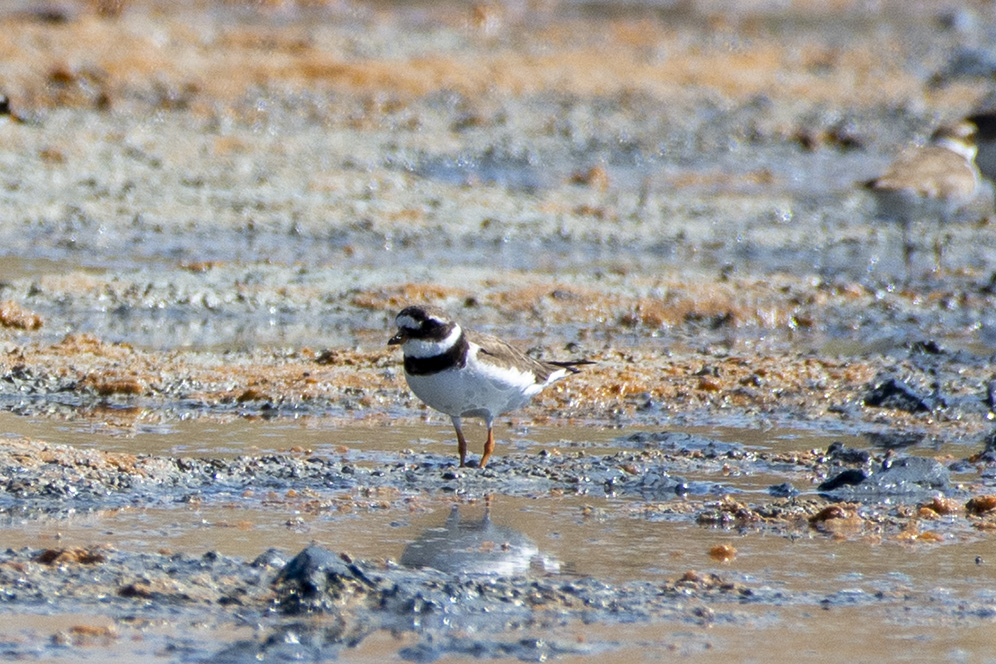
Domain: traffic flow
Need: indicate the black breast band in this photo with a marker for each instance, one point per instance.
(454, 358)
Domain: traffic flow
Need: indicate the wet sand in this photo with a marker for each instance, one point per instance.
(212, 212)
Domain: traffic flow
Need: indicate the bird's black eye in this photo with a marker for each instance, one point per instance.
(428, 328)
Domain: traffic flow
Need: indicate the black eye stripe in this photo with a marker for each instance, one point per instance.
(429, 329)
(425, 325)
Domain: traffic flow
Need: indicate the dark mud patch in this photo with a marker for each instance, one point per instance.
(321, 604)
(353, 599)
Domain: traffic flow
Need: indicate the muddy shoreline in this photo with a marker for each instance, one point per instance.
(331, 602)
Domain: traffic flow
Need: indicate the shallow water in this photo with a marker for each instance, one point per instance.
(916, 618)
(607, 538)
(846, 632)
(592, 534)
(910, 592)
(211, 436)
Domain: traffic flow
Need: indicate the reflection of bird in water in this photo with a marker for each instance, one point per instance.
(933, 182)
(476, 547)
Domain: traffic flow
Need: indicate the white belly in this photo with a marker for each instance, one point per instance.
(475, 390)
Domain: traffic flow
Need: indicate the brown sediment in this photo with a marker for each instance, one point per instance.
(131, 51)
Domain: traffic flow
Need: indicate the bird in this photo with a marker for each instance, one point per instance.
(463, 373)
(7, 114)
(935, 181)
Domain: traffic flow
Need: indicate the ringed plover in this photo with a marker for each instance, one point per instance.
(935, 181)
(467, 374)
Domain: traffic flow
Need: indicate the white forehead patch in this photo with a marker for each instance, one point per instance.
(409, 323)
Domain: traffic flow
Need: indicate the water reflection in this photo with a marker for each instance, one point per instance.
(477, 546)
(298, 641)
(895, 440)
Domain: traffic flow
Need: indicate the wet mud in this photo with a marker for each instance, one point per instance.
(212, 211)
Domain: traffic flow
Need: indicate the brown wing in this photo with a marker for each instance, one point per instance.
(930, 171)
(505, 355)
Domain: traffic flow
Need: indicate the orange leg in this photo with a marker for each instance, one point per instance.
(489, 447)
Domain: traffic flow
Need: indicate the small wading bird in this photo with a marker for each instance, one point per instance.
(6, 113)
(466, 374)
(933, 182)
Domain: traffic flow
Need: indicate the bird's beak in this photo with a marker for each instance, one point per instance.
(398, 338)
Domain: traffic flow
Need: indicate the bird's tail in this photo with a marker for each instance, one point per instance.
(571, 365)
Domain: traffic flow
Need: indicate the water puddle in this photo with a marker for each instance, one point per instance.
(205, 436)
(816, 581)
(593, 535)
(577, 535)
(29, 267)
(758, 635)
(805, 636)
(231, 437)
(373, 443)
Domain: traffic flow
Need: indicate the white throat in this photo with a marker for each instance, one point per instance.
(420, 348)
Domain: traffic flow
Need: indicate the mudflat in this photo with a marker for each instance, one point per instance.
(212, 211)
